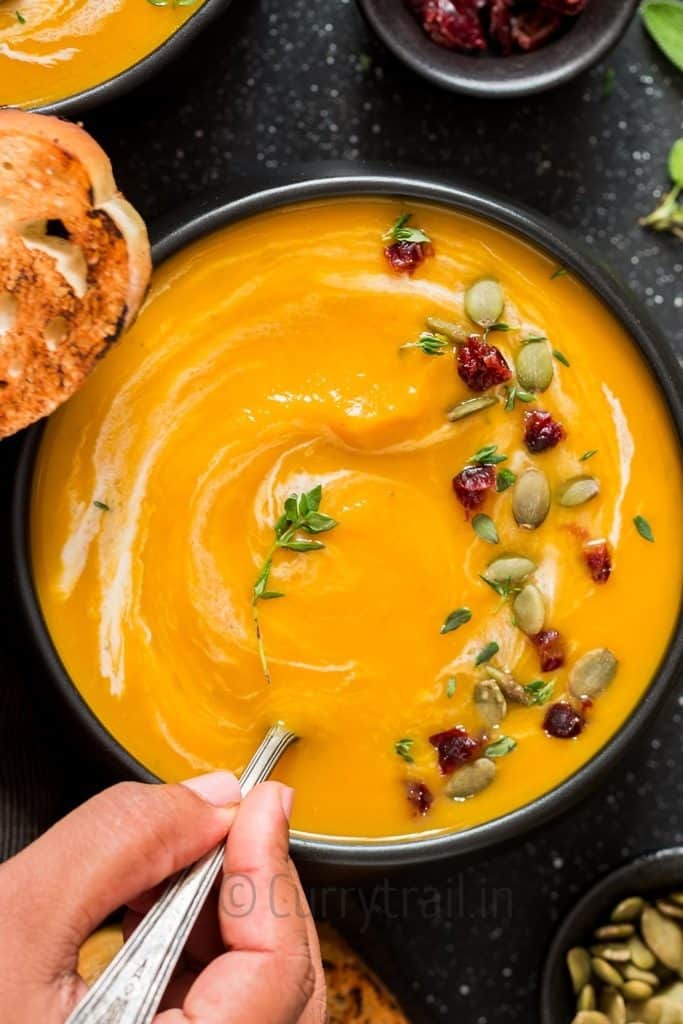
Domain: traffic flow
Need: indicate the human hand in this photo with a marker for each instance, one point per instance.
(253, 957)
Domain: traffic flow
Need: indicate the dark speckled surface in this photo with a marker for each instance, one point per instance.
(278, 83)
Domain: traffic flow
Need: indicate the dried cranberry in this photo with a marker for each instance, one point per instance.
(420, 797)
(599, 560)
(501, 25)
(534, 28)
(472, 485)
(550, 648)
(541, 431)
(455, 747)
(481, 365)
(562, 721)
(454, 24)
(406, 257)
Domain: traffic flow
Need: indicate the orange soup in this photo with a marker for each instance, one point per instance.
(416, 495)
(51, 49)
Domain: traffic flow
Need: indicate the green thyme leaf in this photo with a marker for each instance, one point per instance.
(487, 456)
(485, 528)
(20, 18)
(302, 545)
(561, 357)
(588, 455)
(514, 392)
(533, 338)
(318, 522)
(506, 478)
(455, 620)
(644, 529)
(505, 745)
(664, 21)
(498, 327)
(451, 686)
(560, 272)
(486, 653)
(400, 231)
(503, 588)
(403, 748)
(102, 506)
(430, 344)
(539, 691)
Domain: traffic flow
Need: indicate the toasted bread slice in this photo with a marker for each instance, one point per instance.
(74, 263)
(355, 995)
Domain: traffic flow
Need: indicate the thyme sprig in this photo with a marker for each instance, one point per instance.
(668, 215)
(400, 231)
(430, 342)
(301, 514)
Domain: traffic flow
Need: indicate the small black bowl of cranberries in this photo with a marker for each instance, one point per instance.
(499, 47)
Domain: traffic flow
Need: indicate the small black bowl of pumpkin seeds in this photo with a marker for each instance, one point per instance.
(618, 956)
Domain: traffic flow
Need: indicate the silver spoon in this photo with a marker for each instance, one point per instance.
(130, 989)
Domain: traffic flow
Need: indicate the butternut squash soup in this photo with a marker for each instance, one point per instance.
(383, 472)
(52, 49)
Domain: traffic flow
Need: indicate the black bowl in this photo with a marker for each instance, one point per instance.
(595, 32)
(140, 71)
(653, 874)
(217, 210)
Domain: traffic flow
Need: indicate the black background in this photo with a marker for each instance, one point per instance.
(275, 83)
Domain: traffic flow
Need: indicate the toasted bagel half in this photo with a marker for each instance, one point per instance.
(74, 263)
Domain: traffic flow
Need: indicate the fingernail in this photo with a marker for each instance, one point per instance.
(287, 800)
(217, 788)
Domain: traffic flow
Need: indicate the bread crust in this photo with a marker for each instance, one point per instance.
(74, 263)
(355, 995)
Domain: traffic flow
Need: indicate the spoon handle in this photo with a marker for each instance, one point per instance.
(130, 989)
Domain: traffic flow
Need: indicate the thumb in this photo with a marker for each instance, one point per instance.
(124, 841)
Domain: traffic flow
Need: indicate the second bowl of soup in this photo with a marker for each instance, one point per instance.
(378, 462)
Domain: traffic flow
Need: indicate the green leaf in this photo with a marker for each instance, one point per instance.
(281, 525)
(676, 163)
(487, 456)
(664, 21)
(560, 272)
(533, 338)
(503, 589)
(485, 528)
(588, 455)
(644, 529)
(318, 522)
(292, 508)
(102, 506)
(403, 748)
(302, 545)
(498, 327)
(400, 231)
(20, 18)
(314, 497)
(431, 344)
(539, 691)
(505, 745)
(262, 581)
(451, 686)
(486, 653)
(270, 595)
(561, 357)
(455, 620)
(506, 478)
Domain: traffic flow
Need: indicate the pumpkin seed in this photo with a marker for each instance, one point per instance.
(490, 702)
(664, 938)
(592, 674)
(470, 405)
(586, 1000)
(615, 953)
(471, 779)
(606, 972)
(484, 301)
(632, 973)
(512, 690)
(637, 991)
(590, 1017)
(529, 610)
(629, 909)
(670, 909)
(578, 491)
(531, 499)
(510, 568)
(640, 954)
(614, 931)
(454, 332)
(534, 366)
(579, 966)
(662, 1011)
(673, 993)
(613, 1005)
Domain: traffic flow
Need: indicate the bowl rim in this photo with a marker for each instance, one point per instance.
(184, 226)
(138, 72)
(476, 79)
(659, 864)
